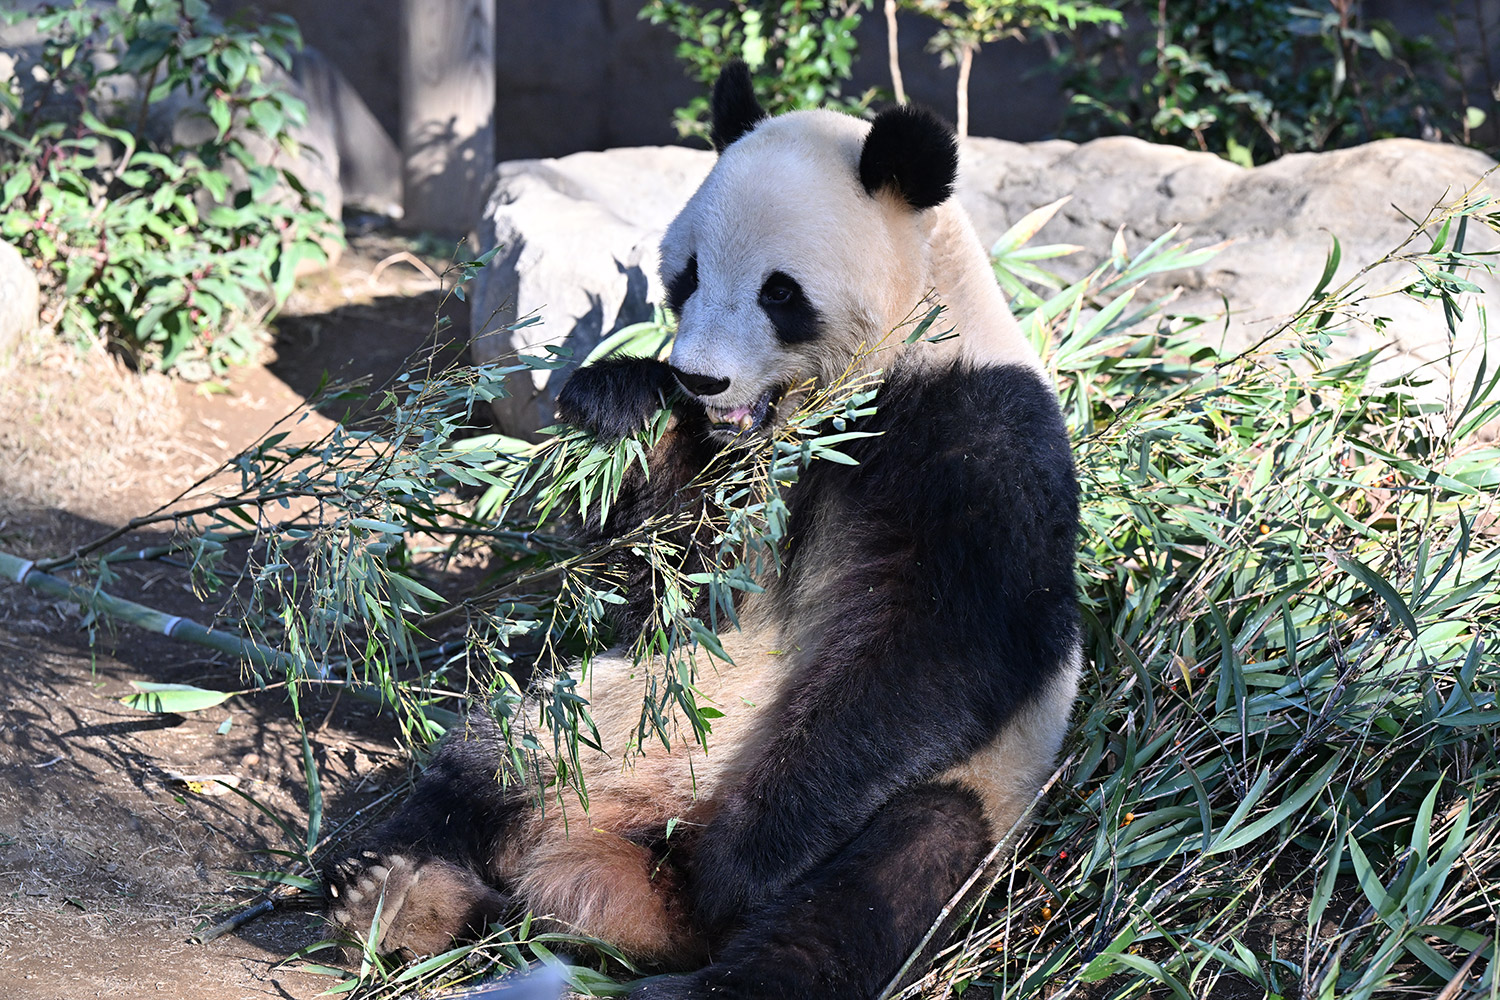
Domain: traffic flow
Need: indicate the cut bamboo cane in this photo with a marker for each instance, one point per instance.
(24, 571)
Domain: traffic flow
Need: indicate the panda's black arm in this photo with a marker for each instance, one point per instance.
(613, 398)
(951, 606)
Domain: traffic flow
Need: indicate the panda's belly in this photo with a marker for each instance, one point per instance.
(639, 784)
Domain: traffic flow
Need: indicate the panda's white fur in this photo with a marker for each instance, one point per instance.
(836, 805)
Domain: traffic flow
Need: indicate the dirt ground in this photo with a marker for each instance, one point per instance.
(108, 868)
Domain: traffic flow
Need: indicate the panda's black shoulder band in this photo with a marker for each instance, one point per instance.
(735, 109)
(913, 151)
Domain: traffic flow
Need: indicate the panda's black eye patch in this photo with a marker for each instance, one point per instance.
(681, 288)
(791, 313)
(779, 290)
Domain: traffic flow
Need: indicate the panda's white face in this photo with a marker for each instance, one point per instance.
(782, 268)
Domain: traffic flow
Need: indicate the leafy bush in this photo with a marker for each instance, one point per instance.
(799, 53)
(1255, 79)
(966, 25)
(168, 251)
(1284, 773)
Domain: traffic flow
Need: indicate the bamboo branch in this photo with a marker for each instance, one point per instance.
(893, 52)
(208, 508)
(235, 922)
(25, 572)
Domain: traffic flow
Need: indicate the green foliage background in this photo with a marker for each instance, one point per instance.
(1255, 79)
(172, 253)
(1251, 80)
(800, 52)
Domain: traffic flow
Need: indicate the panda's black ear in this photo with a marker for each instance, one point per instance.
(735, 109)
(913, 151)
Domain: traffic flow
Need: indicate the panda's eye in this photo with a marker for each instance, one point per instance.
(795, 318)
(779, 291)
(681, 288)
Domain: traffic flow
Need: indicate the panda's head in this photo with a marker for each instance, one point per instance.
(805, 247)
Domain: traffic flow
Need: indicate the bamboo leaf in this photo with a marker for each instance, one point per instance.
(1289, 806)
(172, 698)
(1027, 226)
(1383, 588)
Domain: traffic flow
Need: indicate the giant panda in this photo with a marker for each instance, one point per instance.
(895, 696)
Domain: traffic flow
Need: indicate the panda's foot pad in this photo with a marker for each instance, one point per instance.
(423, 904)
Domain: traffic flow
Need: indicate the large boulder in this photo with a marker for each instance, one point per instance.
(368, 162)
(578, 237)
(20, 299)
(1277, 222)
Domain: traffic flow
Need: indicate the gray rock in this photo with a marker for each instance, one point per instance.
(369, 164)
(579, 237)
(579, 251)
(1277, 220)
(20, 299)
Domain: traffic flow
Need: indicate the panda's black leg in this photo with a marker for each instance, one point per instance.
(844, 930)
(429, 869)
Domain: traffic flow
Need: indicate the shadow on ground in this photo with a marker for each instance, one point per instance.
(107, 864)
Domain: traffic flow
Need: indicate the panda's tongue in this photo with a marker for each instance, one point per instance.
(743, 418)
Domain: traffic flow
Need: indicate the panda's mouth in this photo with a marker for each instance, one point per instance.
(739, 421)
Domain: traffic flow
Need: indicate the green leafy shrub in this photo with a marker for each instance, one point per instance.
(171, 252)
(966, 25)
(1284, 777)
(799, 52)
(1255, 79)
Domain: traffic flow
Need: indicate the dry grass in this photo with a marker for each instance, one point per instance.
(77, 429)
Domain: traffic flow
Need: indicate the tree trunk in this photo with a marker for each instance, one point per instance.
(447, 112)
(893, 53)
(965, 63)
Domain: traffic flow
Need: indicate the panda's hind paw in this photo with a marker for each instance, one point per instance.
(689, 987)
(408, 904)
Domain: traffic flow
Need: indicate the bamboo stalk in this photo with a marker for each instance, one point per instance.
(893, 55)
(25, 572)
(235, 922)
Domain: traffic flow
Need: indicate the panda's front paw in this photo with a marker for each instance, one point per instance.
(616, 396)
(401, 903)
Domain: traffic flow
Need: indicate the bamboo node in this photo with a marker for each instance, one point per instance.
(170, 624)
(24, 570)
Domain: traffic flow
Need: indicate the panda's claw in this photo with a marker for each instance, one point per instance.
(422, 905)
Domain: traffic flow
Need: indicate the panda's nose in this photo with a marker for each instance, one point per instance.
(700, 385)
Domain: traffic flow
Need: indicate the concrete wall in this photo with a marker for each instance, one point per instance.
(587, 74)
